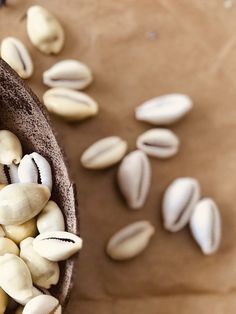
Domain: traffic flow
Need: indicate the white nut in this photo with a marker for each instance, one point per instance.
(160, 143)
(14, 52)
(130, 240)
(205, 225)
(20, 202)
(134, 178)
(104, 153)
(69, 104)
(44, 272)
(50, 218)
(15, 277)
(34, 168)
(10, 148)
(8, 246)
(164, 109)
(57, 245)
(178, 203)
(18, 233)
(68, 73)
(44, 30)
(43, 304)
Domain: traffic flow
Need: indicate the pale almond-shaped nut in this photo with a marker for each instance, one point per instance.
(134, 178)
(34, 168)
(178, 203)
(44, 272)
(130, 241)
(160, 143)
(15, 277)
(35, 293)
(3, 301)
(165, 109)
(57, 245)
(68, 73)
(18, 233)
(2, 186)
(20, 202)
(50, 218)
(69, 104)
(8, 246)
(205, 225)
(104, 153)
(43, 304)
(10, 148)
(44, 30)
(14, 52)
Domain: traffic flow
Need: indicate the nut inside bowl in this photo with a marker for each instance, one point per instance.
(23, 114)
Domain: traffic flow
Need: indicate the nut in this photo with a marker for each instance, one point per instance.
(130, 240)
(179, 200)
(8, 246)
(69, 74)
(14, 52)
(18, 233)
(164, 109)
(134, 178)
(43, 304)
(69, 104)
(104, 153)
(44, 30)
(10, 148)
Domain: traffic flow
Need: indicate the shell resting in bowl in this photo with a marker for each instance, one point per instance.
(22, 113)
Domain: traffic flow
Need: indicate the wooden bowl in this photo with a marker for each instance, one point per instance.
(22, 113)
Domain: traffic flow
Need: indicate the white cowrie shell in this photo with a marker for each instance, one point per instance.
(43, 304)
(8, 246)
(165, 109)
(44, 272)
(18, 233)
(10, 148)
(3, 301)
(57, 245)
(44, 30)
(68, 73)
(134, 178)
(179, 200)
(19, 202)
(130, 240)
(205, 225)
(34, 167)
(104, 153)
(69, 104)
(50, 218)
(15, 277)
(160, 143)
(8, 174)
(14, 52)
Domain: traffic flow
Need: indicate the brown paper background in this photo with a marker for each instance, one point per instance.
(137, 50)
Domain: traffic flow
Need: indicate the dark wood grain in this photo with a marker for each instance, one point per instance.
(23, 114)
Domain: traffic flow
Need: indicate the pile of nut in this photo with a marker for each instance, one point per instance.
(32, 231)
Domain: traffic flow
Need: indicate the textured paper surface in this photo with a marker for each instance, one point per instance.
(137, 50)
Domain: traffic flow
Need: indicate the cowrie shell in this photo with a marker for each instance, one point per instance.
(18, 233)
(19, 202)
(43, 304)
(44, 30)
(34, 168)
(178, 203)
(104, 153)
(9, 174)
(68, 73)
(50, 218)
(130, 240)
(165, 109)
(10, 148)
(57, 245)
(44, 272)
(205, 225)
(160, 143)
(15, 277)
(134, 178)
(14, 52)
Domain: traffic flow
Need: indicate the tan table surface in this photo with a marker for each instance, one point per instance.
(137, 50)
